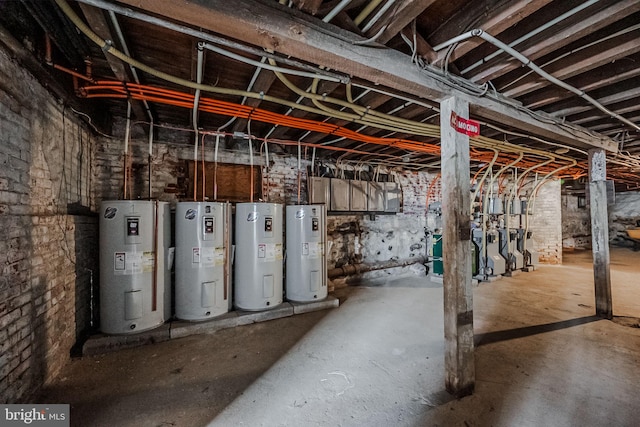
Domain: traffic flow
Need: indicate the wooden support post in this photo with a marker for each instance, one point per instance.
(458, 296)
(600, 232)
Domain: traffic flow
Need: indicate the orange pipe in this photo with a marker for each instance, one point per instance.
(214, 106)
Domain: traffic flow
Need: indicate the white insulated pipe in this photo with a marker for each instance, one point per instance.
(527, 62)
(336, 10)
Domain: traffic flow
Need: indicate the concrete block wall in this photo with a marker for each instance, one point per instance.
(48, 250)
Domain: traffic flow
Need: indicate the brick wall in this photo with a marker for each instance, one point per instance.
(48, 247)
(546, 223)
(351, 238)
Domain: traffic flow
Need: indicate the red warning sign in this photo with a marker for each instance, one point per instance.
(465, 126)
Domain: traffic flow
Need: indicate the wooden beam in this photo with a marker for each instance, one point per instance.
(52, 83)
(423, 48)
(397, 18)
(496, 21)
(309, 6)
(607, 53)
(623, 95)
(291, 32)
(599, 78)
(262, 84)
(324, 87)
(98, 23)
(582, 25)
(456, 252)
(600, 232)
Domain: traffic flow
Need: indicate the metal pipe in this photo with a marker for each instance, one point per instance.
(251, 163)
(125, 49)
(127, 131)
(366, 11)
(336, 10)
(533, 33)
(215, 169)
(259, 64)
(527, 62)
(102, 4)
(353, 269)
(73, 73)
(154, 283)
(378, 15)
(150, 154)
(256, 73)
(194, 119)
(299, 161)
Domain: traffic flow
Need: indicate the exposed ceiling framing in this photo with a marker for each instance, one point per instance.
(591, 45)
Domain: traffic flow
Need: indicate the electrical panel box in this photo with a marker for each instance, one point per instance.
(376, 197)
(340, 195)
(359, 195)
(391, 197)
(319, 190)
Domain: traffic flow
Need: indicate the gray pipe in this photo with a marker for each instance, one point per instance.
(526, 61)
(353, 269)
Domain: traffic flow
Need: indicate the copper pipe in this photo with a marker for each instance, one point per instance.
(47, 42)
(73, 73)
(154, 282)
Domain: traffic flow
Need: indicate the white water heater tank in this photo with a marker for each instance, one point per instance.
(258, 256)
(202, 260)
(135, 270)
(306, 278)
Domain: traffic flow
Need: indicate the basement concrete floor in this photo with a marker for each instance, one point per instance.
(377, 360)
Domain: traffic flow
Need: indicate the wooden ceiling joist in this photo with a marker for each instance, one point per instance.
(293, 33)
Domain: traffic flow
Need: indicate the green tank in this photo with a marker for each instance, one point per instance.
(438, 265)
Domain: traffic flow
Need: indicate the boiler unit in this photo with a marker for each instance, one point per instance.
(306, 278)
(496, 264)
(203, 245)
(135, 276)
(531, 256)
(258, 259)
(516, 255)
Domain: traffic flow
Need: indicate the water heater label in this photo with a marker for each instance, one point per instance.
(196, 256)
(262, 251)
(219, 256)
(119, 261)
(147, 262)
(128, 263)
(314, 250)
(311, 249)
(268, 252)
(207, 257)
